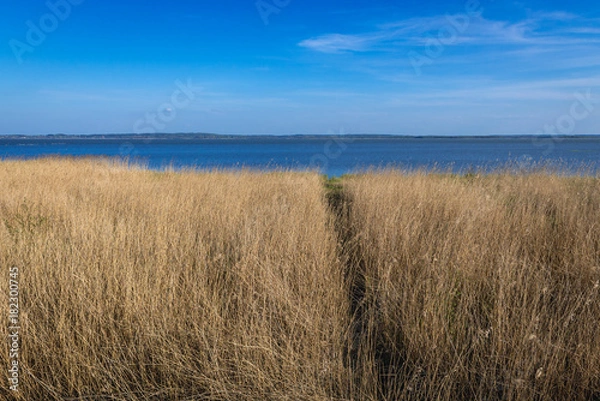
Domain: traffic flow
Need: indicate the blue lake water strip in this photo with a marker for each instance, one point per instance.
(333, 156)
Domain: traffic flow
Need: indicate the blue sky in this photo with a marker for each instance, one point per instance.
(300, 66)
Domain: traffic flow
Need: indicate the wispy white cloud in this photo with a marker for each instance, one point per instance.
(584, 30)
(85, 96)
(338, 43)
(481, 90)
(461, 29)
(555, 15)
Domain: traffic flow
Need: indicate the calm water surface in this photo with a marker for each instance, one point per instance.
(332, 156)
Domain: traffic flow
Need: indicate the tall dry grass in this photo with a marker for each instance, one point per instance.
(142, 285)
(139, 285)
(476, 287)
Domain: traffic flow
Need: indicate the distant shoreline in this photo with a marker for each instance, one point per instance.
(208, 136)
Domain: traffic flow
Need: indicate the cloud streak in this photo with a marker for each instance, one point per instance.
(338, 43)
(541, 29)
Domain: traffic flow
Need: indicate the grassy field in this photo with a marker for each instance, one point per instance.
(478, 287)
(145, 285)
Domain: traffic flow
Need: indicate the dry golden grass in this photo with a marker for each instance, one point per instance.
(142, 285)
(477, 287)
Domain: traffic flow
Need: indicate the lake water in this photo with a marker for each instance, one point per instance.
(331, 155)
